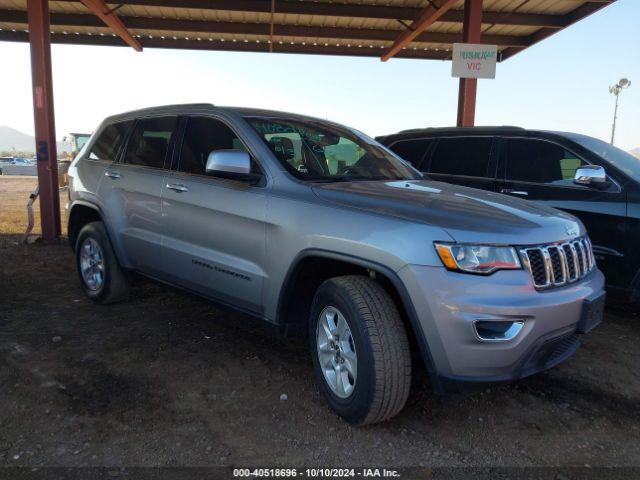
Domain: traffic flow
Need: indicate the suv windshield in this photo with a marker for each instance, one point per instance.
(620, 159)
(317, 151)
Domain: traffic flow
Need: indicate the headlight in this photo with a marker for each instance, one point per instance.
(483, 259)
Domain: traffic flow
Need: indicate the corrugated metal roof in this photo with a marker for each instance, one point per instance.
(347, 27)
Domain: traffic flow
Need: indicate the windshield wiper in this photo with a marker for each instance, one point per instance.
(320, 179)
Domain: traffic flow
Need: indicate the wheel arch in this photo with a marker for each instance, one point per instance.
(81, 213)
(294, 301)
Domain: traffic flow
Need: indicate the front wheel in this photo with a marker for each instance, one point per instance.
(360, 349)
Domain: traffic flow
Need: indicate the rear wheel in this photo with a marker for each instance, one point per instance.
(100, 274)
(360, 349)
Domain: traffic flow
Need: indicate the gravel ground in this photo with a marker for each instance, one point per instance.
(167, 380)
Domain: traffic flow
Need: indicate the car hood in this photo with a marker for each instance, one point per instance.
(467, 214)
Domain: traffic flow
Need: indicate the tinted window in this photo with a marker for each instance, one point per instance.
(149, 142)
(412, 150)
(462, 156)
(539, 161)
(202, 136)
(108, 142)
(619, 158)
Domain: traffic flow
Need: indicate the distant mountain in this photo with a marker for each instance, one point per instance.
(11, 139)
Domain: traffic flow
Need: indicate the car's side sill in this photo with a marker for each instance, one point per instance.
(216, 302)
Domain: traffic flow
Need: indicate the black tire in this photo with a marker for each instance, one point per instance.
(383, 355)
(115, 285)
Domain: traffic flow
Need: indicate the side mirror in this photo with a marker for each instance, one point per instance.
(591, 175)
(234, 162)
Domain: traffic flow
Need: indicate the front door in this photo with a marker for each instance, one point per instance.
(543, 171)
(214, 228)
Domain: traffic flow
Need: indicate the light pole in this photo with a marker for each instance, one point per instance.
(616, 89)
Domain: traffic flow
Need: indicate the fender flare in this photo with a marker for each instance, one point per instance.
(81, 203)
(397, 283)
(107, 226)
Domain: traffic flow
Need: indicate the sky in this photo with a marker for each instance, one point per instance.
(559, 84)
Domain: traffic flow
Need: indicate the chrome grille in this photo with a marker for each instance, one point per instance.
(558, 264)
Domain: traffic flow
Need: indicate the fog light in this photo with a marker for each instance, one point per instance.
(497, 331)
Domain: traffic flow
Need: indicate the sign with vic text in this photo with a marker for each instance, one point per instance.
(474, 61)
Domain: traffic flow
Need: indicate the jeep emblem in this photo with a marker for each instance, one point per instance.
(571, 230)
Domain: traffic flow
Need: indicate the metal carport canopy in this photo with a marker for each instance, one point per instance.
(348, 27)
(415, 29)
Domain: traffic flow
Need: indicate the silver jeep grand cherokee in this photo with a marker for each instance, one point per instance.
(317, 228)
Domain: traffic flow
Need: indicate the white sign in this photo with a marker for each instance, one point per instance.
(474, 61)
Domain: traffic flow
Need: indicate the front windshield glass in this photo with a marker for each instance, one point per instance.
(318, 151)
(623, 161)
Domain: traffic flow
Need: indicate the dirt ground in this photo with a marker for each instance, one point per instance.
(166, 380)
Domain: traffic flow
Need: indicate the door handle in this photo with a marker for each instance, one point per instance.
(177, 187)
(111, 174)
(514, 192)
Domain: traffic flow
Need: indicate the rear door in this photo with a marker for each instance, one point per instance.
(132, 188)
(468, 161)
(543, 170)
(214, 228)
(103, 154)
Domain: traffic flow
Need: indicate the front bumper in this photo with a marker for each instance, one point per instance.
(448, 304)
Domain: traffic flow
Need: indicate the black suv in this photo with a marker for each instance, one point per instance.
(585, 176)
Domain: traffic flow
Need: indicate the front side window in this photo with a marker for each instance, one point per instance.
(617, 157)
(412, 150)
(148, 145)
(464, 156)
(109, 141)
(538, 161)
(202, 136)
(317, 151)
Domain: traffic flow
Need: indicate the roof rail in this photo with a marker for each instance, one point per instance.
(479, 127)
(170, 106)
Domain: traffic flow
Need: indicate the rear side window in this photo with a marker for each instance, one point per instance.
(412, 150)
(462, 156)
(109, 141)
(202, 136)
(149, 143)
(538, 161)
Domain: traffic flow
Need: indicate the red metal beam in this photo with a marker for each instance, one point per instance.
(108, 16)
(40, 45)
(471, 33)
(427, 17)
